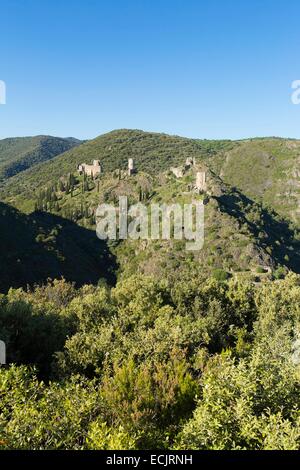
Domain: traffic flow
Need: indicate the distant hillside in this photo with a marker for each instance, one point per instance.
(252, 224)
(152, 153)
(266, 170)
(20, 153)
(241, 237)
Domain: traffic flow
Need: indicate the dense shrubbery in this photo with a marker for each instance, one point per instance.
(203, 365)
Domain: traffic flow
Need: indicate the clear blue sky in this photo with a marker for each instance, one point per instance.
(199, 68)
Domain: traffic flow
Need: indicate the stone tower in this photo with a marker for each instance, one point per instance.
(201, 181)
(90, 170)
(131, 169)
(190, 161)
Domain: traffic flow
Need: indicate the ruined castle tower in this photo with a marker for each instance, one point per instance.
(91, 170)
(190, 161)
(201, 181)
(131, 169)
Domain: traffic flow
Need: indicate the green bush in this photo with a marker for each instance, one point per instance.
(196, 364)
(220, 275)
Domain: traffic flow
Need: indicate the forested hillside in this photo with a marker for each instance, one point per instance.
(20, 153)
(248, 233)
(152, 153)
(141, 344)
(267, 170)
(40, 246)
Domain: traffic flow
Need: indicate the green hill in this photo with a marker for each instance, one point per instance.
(20, 153)
(242, 238)
(266, 170)
(156, 347)
(152, 153)
(251, 227)
(40, 246)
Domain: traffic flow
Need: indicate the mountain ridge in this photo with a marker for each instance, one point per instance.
(20, 153)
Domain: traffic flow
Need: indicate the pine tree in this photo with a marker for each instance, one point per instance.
(140, 194)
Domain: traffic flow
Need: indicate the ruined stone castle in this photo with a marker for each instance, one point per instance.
(179, 171)
(90, 170)
(200, 185)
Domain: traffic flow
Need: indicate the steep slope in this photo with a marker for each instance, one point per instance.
(241, 236)
(21, 153)
(266, 170)
(41, 246)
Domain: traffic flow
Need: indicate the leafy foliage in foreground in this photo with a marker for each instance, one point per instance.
(203, 365)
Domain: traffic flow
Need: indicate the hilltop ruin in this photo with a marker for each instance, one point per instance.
(90, 170)
(131, 167)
